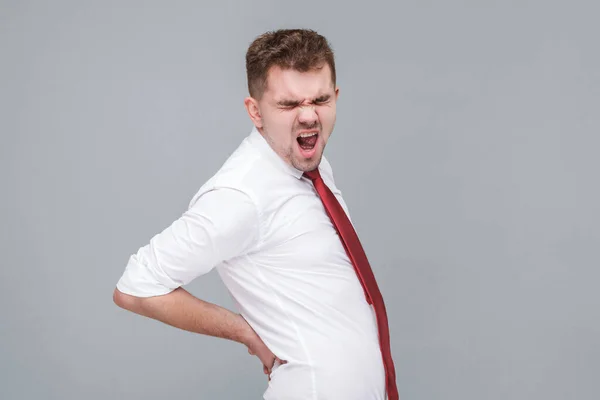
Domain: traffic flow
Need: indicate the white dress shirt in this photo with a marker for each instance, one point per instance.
(262, 225)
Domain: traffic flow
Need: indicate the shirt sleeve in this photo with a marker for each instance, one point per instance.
(220, 225)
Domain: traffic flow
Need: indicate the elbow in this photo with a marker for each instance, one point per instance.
(146, 306)
(123, 300)
(138, 305)
(118, 298)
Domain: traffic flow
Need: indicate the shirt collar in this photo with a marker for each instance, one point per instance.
(257, 140)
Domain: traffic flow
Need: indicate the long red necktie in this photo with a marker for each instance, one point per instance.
(357, 256)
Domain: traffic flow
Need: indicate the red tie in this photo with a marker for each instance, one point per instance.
(357, 256)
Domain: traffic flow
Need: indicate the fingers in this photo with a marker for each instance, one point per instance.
(280, 360)
(276, 361)
(267, 370)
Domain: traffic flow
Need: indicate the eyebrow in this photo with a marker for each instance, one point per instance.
(295, 103)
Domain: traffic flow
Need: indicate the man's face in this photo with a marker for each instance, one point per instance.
(296, 114)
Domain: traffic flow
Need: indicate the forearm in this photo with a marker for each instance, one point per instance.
(184, 311)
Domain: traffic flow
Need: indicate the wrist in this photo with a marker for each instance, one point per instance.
(246, 335)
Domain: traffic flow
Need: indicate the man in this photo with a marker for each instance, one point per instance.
(265, 222)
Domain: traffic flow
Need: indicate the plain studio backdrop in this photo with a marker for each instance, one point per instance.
(466, 148)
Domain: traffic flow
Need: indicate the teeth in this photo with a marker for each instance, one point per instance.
(308, 134)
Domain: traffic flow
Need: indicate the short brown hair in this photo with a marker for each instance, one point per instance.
(298, 49)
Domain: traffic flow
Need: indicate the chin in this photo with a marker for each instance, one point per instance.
(308, 164)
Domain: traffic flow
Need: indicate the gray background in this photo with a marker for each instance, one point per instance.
(466, 148)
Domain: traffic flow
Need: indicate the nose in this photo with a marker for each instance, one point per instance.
(307, 115)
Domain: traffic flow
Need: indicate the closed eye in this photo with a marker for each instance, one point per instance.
(322, 99)
(287, 104)
(291, 104)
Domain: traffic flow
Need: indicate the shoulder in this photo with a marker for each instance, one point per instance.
(243, 172)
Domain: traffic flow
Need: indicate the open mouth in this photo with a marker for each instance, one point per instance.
(307, 141)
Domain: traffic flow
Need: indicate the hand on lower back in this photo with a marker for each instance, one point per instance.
(257, 347)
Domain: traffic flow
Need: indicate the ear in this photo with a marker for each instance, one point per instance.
(337, 92)
(251, 105)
